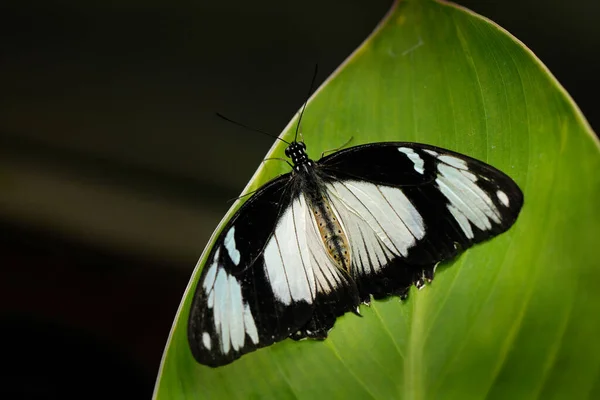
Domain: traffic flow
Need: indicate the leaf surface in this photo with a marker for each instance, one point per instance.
(515, 317)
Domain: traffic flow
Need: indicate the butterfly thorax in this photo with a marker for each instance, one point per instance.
(325, 219)
(297, 152)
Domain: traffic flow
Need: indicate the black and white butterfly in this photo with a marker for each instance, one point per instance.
(364, 222)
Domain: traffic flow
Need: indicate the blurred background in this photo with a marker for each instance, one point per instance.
(114, 170)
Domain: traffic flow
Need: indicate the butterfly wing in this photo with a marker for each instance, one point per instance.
(403, 206)
(264, 278)
(407, 206)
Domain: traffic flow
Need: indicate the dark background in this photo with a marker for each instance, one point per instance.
(114, 170)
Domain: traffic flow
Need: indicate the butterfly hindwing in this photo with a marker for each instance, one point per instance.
(408, 206)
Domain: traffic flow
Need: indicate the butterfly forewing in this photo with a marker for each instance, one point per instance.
(280, 266)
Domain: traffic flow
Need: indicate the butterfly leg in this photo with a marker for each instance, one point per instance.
(327, 309)
(404, 294)
(423, 276)
(428, 273)
(316, 328)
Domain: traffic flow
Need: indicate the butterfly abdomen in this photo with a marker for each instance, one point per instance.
(332, 233)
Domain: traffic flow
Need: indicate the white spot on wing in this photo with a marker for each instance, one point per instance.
(503, 198)
(229, 243)
(414, 157)
(206, 340)
(431, 152)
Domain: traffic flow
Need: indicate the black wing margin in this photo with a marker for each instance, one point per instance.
(408, 206)
(234, 310)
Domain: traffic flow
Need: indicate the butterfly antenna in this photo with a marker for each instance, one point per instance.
(312, 84)
(250, 128)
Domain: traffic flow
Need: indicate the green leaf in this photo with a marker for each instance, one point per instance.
(517, 316)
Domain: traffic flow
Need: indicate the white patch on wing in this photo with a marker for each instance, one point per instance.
(469, 204)
(405, 211)
(414, 157)
(236, 315)
(385, 210)
(453, 162)
(503, 198)
(229, 243)
(221, 310)
(431, 152)
(462, 221)
(209, 278)
(232, 317)
(250, 325)
(287, 257)
(380, 222)
(206, 340)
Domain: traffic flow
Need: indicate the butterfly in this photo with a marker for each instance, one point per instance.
(365, 222)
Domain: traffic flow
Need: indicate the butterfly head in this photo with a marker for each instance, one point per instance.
(297, 152)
